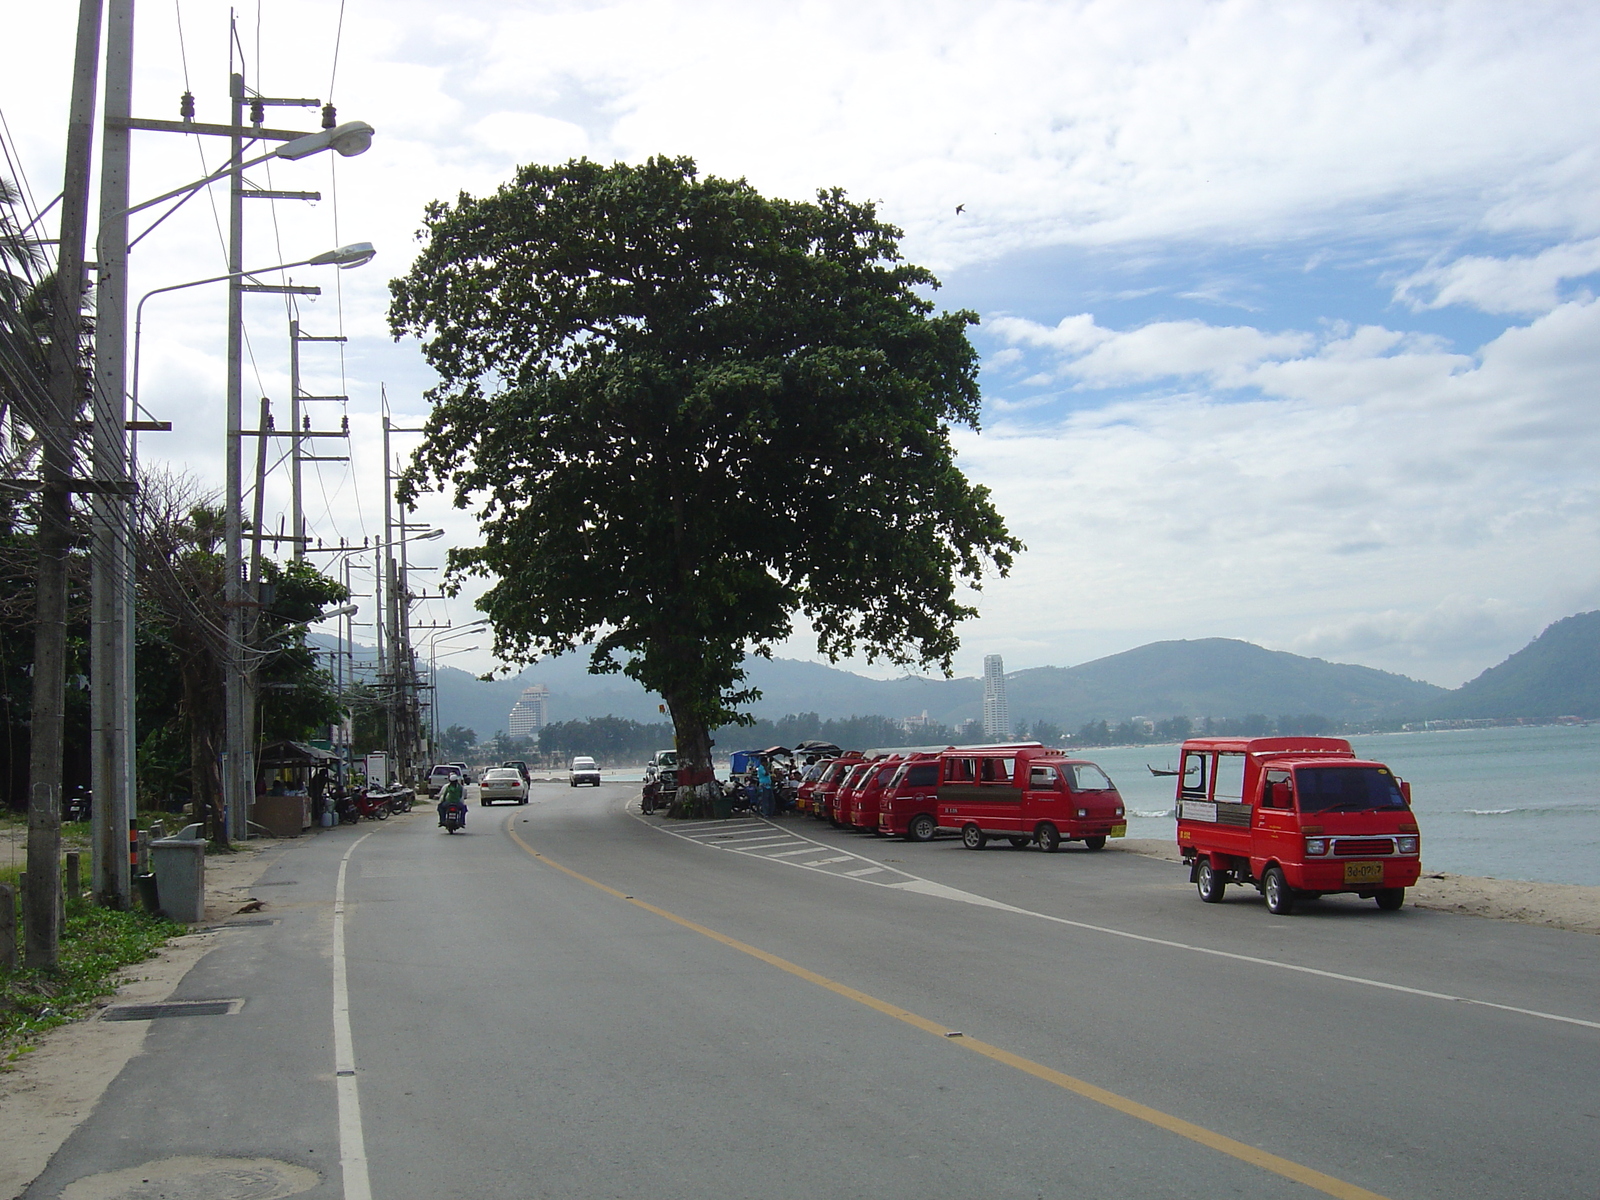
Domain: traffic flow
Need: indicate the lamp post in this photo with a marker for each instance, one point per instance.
(111, 699)
(433, 672)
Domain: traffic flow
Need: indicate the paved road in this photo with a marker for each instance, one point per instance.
(573, 1000)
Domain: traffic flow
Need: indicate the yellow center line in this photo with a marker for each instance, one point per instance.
(1286, 1168)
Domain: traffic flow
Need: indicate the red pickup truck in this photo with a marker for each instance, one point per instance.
(858, 807)
(908, 806)
(1295, 817)
(1027, 794)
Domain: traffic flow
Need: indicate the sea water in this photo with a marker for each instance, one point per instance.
(1519, 802)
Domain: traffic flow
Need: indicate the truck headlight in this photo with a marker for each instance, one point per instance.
(1119, 810)
(1406, 844)
(1316, 846)
(1083, 812)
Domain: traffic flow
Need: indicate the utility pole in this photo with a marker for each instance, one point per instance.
(42, 933)
(299, 422)
(111, 706)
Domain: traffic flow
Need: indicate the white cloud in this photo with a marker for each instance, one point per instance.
(1523, 284)
(1413, 510)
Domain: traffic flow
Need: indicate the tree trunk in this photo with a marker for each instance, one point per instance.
(694, 758)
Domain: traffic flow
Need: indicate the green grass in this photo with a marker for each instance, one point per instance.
(96, 945)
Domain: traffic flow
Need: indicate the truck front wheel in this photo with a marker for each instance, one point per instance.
(1049, 839)
(1210, 884)
(1390, 899)
(973, 838)
(920, 828)
(1097, 842)
(1280, 896)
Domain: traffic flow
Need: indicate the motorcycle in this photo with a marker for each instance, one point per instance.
(400, 802)
(372, 805)
(454, 817)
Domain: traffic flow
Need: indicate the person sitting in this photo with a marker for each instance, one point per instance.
(452, 797)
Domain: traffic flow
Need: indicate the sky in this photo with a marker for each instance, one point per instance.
(1288, 330)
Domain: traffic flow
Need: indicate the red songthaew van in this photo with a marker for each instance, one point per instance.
(1027, 794)
(908, 806)
(822, 795)
(859, 809)
(1293, 817)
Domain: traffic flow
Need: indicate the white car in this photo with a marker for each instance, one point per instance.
(584, 770)
(502, 783)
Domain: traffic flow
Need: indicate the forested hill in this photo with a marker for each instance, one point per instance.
(1555, 675)
(1216, 677)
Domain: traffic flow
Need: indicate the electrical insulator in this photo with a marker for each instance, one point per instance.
(186, 106)
(258, 112)
(330, 117)
(344, 426)
(269, 422)
(307, 423)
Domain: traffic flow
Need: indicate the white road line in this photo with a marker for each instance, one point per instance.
(744, 842)
(812, 849)
(928, 887)
(822, 862)
(863, 871)
(352, 1145)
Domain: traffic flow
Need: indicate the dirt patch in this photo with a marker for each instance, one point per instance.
(1553, 905)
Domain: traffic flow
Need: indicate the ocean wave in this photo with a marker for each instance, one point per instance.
(1153, 812)
(1537, 810)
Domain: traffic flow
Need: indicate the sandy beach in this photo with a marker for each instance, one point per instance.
(1556, 905)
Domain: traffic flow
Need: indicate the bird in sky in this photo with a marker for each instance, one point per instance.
(960, 208)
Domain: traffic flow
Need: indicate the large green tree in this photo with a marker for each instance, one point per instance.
(684, 412)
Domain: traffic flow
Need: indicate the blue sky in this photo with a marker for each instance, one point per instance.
(1289, 330)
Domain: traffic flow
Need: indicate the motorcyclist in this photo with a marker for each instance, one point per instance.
(453, 797)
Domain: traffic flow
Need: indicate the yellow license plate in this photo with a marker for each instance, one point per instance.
(1363, 872)
(1119, 831)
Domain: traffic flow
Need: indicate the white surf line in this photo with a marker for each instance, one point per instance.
(352, 1145)
(927, 887)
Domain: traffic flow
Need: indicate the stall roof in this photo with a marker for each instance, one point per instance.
(294, 754)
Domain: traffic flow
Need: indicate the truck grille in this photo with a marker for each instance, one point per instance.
(1363, 846)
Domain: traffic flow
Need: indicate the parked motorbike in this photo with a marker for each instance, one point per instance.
(454, 817)
(400, 802)
(373, 805)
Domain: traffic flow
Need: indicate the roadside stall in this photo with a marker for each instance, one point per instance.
(290, 779)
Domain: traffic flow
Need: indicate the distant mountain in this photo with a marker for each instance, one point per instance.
(1210, 677)
(1555, 675)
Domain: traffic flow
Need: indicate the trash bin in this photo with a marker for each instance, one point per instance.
(179, 865)
(149, 898)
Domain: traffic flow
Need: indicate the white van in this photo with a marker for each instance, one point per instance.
(584, 770)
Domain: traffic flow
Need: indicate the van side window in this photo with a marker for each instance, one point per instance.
(923, 775)
(1194, 776)
(1043, 778)
(1275, 792)
(1229, 782)
(1086, 777)
(998, 770)
(960, 770)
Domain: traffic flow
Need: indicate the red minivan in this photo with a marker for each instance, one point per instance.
(859, 809)
(1027, 794)
(908, 806)
(1295, 817)
(822, 795)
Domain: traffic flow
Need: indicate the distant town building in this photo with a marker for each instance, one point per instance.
(529, 714)
(996, 712)
(912, 724)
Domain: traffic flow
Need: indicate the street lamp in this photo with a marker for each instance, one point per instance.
(111, 701)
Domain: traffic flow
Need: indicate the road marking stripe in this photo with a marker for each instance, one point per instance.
(352, 1145)
(810, 849)
(863, 871)
(822, 862)
(928, 887)
(1282, 1167)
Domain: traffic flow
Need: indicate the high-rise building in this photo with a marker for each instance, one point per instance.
(528, 715)
(996, 712)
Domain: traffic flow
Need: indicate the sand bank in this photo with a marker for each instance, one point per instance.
(1556, 905)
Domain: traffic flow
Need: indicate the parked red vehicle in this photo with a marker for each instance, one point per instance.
(844, 796)
(1027, 794)
(908, 806)
(821, 798)
(859, 809)
(1295, 817)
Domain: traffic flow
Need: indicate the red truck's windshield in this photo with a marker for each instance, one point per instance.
(1346, 789)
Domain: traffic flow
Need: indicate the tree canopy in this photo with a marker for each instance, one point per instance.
(684, 412)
